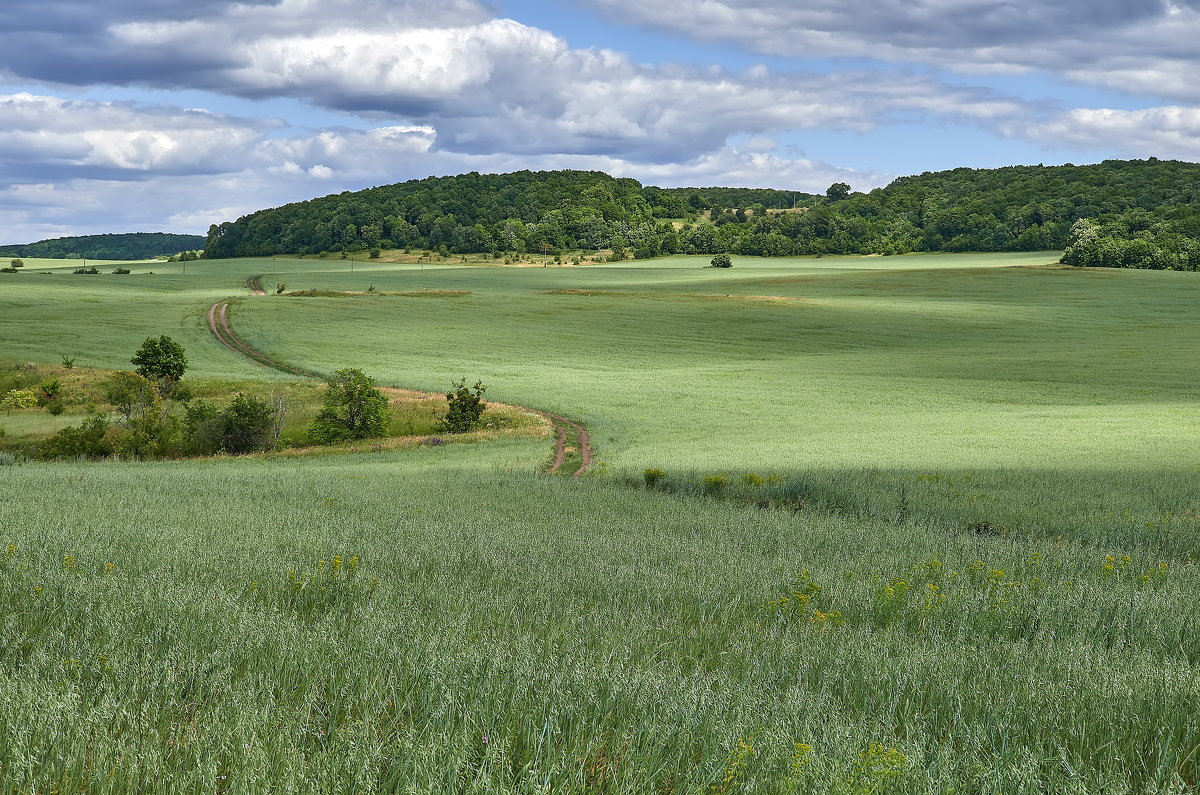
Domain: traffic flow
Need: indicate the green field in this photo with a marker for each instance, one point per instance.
(948, 540)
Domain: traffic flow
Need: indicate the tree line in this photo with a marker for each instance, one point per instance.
(1143, 214)
(133, 246)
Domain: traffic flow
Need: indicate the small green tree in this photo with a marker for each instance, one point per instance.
(16, 264)
(721, 261)
(248, 424)
(161, 360)
(465, 407)
(354, 409)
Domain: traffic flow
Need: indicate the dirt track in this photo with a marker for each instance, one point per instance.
(218, 324)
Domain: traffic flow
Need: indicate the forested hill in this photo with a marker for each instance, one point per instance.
(1134, 214)
(138, 245)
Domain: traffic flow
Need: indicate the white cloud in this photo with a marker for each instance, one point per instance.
(492, 85)
(40, 134)
(1135, 46)
(1167, 132)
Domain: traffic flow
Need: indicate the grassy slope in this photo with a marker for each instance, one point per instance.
(596, 635)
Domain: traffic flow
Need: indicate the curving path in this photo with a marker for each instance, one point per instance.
(218, 324)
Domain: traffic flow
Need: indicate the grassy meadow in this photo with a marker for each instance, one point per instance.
(919, 524)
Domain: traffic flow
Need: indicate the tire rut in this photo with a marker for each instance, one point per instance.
(218, 324)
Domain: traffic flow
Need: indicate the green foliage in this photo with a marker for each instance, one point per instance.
(353, 409)
(465, 407)
(652, 477)
(17, 399)
(121, 271)
(249, 424)
(92, 271)
(16, 263)
(1149, 206)
(68, 362)
(838, 191)
(137, 246)
(161, 360)
(721, 261)
(202, 428)
(89, 440)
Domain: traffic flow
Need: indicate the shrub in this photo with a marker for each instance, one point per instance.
(280, 287)
(721, 261)
(89, 440)
(19, 399)
(653, 477)
(465, 407)
(202, 428)
(249, 424)
(354, 409)
(91, 271)
(16, 263)
(715, 484)
(8, 270)
(121, 271)
(49, 391)
(375, 253)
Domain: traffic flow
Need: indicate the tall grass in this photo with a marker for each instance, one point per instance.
(431, 622)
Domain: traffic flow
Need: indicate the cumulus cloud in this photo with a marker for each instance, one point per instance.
(114, 180)
(1168, 132)
(484, 84)
(1142, 46)
(44, 136)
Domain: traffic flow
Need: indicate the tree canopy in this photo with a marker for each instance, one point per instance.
(1151, 206)
(138, 245)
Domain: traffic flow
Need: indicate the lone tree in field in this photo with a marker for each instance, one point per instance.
(465, 407)
(16, 264)
(161, 361)
(721, 261)
(354, 409)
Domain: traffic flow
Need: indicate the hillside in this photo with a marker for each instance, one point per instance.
(137, 245)
(1134, 213)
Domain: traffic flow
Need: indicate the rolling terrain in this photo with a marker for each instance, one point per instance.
(921, 523)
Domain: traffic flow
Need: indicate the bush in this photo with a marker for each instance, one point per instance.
(715, 484)
(354, 409)
(375, 253)
(91, 271)
(89, 440)
(721, 261)
(280, 287)
(248, 425)
(653, 477)
(465, 408)
(8, 270)
(19, 399)
(16, 263)
(202, 429)
(121, 271)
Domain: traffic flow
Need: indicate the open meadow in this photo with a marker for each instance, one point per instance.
(855, 524)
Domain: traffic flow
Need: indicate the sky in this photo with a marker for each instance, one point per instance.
(172, 115)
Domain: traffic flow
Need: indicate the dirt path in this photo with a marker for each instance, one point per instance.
(254, 285)
(218, 324)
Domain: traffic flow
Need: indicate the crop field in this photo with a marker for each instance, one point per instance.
(856, 525)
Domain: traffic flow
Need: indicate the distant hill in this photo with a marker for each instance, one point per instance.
(1140, 213)
(137, 245)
